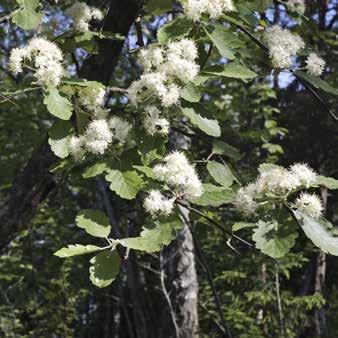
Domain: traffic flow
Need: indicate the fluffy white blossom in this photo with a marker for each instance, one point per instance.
(166, 69)
(44, 56)
(153, 123)
(151, 58)
(278, 181)
(315, 65)
(179, 174)
(194, 9)
(244, 200)
(274, 181)
(81, 14)
(76, 147)
(155, 203)
(309, 204)
(120, 128)
(297, 6)
(304, 173)
(180, 68)
(282, 46)
(92, 98)
(97, 136)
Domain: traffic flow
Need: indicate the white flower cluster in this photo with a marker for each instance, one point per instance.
(166, 69)
(44, 56)
(98, 135)
(157, 204)
(274, 181)
(310, 205)
(153, 123)
(81, 14)
(297, 6)
(92, 99)
(180, 175)
(181, 178)
(315, 65)
(194, 9)
(282, 46)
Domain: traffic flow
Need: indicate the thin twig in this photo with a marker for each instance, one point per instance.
(167, 297)
(7, 16)
(117, 90)
(216, 224)
(138, 25)
(279, 302)
(266, 49)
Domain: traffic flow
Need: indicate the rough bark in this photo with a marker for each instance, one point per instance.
(34, 182)
(185, 285)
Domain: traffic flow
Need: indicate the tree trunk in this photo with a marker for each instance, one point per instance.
(185, 284)
(320, 319)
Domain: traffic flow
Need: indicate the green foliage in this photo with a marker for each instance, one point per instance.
(316, 82)
(222, 148)
(27, 16)
(273, 239)
(94, 222)
(76, 249)
(327, 182)
(125, 184)
(210, 127)
(152, 240)
(157, 7)
(58, 105)
(220, 173)
(104, 268)
(320, 231)
(174, 30)
(232, 70)
(59, 136)
(224, 40)
(214, 196)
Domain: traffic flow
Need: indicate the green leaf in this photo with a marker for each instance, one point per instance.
(125, 184)
(58, 105)
(273, 239)
(83, 83)
(152, 240)
(145, 170)
(77, 249)
(317, 82)
(27, 18)
(157, 7)
(242, 225)
(220, 173)
(94, 222)
(104, 269)
(191, 93)
(233, 70)
(59, 136)
(214, 196)
(327, 182)
(224, 40)
(222, 148)
(95, 170)
(32, 4)
(210, 127)
(264, 167)
(174, 30)
(320, 231)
